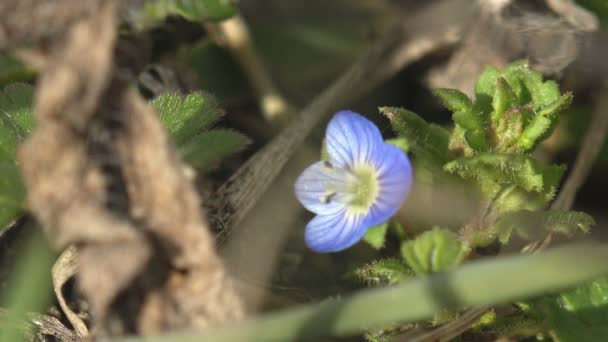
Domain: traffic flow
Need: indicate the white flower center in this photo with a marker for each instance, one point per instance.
(357, 190)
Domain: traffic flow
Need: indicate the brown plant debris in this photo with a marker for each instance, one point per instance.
(103, 176)
(507, 30)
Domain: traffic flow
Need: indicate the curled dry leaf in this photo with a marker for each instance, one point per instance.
(102, 175)
(63, 270)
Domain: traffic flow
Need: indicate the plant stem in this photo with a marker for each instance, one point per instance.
(479, 283)
(235, 198)
(236, 37)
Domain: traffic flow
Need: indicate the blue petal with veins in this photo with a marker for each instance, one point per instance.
(364, 183)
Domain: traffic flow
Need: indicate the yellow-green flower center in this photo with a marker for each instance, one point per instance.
(365, 188)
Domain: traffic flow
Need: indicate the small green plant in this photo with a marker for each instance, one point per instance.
(489, 150)
(187, 118)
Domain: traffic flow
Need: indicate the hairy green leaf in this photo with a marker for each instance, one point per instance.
(208, 148)
(523, 110)
(504, 99)
(433, 251)
(383, 272)
(534, 224)
(186, 116)
(454, 100)
(542, 123)
(465, 115)
(375, 236)
(193, 10)
(493, 171)
(577, 315)
(16, 121)
(426, 141)
(486, 84)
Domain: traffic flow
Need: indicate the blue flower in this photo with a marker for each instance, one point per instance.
(363, 184)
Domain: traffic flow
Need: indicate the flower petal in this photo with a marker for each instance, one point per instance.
(312, 188)
(350, 138)
(394, 183)
(334, 232)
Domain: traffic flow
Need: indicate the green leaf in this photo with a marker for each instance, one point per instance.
(433, 251)
(531, 225)
(426, 141)
(504, 99)
(524, 110)
(598, 7)
(485, 282)
(12, 70)
(580, 314)
(493, 171)
(508, 130)
(193, 10)
(208, 148)
(486, 84)
(16, 116)
(186, 116)
(383, 272)
(12, 192)
(454, 100)
(543, 123)
(375, 236)
(16, 121)
(465, 115)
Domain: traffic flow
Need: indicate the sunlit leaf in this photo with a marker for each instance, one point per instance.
(383, 272)
(534, 224)
(16, 121)
(208, 148)
(543, 122)
(426, 141)
(433, 251)
(186, 116)
(194, 10)
(375, 236)
(492, 172)
(577, 315)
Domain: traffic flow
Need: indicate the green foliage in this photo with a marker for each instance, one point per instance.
(428, 142)
(478, 283)
(533, 224)
(492, 172)
(208, 148)
(16, 121)
(187, 118)
(598, 7)
(12, 70)
(375, 236)
(383, 272)
(433, 251)
(470, 120)
(577, 315)
(193, 10)
(516, 323)
(29, 288)
(514, 110)
(542, 123)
